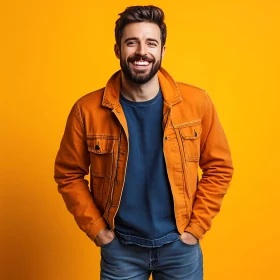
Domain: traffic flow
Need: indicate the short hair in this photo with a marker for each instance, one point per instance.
(133, 14)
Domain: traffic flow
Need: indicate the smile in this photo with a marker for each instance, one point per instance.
(141, 63)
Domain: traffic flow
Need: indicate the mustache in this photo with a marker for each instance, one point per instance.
(140, 57)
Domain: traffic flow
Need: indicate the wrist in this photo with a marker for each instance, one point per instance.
(192, 235)
(100, 233)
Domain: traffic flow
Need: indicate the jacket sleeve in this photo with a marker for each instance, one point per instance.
(71, 166)
(217, 171)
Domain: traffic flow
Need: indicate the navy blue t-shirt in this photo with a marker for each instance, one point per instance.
(146, 208)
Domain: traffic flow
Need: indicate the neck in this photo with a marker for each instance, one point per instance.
(137, 92)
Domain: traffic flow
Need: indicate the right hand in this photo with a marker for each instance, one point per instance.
(105, 236)
(188, 238)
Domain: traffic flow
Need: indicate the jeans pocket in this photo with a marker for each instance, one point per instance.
(188, 245)
(110, 243)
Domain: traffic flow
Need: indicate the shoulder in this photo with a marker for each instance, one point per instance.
(91, 100)
(193, 94)
(93, 96)
(190, 90)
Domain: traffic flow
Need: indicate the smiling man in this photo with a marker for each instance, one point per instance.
(142, 138)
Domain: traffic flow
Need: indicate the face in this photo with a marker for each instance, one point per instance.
(140, 52)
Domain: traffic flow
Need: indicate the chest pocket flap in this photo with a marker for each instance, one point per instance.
(191, 132)
(101, 145)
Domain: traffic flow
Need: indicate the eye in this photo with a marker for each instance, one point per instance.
(131, 43)
(152, 44)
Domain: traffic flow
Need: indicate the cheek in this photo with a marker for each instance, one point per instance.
(127, 52)
(156, 54)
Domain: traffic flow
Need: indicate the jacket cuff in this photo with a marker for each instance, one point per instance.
(95, 228)
(195, 230)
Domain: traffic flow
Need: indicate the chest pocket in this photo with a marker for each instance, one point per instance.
(190, 135)
(101, 150)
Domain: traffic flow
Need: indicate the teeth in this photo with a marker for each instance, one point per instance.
(142, 63)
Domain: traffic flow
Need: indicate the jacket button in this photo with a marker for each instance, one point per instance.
(123, 153)
(97, 147)
(195, 134)
(113, 205)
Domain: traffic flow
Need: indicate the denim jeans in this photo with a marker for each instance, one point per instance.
(172, 261)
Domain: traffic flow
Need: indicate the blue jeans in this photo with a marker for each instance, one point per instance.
(172, 261)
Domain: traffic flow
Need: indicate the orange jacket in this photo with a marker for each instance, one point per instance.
(96, 141)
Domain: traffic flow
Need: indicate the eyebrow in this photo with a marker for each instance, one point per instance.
(137, 39)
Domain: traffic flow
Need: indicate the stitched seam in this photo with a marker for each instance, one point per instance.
(93, 224)
(79, 116)
(206, 103)
(182, 162)
(111, 194)
(193, 158)
(186, 157)
(102, 136)
(195, 226)
(107, 88)
(100, 175)
(92, 150)
(171, 80)
(144, 239)
(187, 124)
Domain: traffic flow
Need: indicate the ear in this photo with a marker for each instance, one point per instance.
(163, 51)
(117, 51)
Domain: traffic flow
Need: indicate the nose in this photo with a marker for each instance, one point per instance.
(141, 49)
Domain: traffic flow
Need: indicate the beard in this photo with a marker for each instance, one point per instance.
(139, 77)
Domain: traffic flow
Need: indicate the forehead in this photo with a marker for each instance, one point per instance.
(141, 30)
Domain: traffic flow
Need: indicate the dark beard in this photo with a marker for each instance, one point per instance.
(139, 78)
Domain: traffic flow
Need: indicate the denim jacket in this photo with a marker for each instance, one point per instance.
(95, 142)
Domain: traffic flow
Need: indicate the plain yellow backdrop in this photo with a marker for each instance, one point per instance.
(53, 52)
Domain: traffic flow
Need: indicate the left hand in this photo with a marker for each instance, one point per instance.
(188, 238)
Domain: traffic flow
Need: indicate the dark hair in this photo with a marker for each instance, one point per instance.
(140, 14)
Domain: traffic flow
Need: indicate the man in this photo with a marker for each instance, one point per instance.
(142, 139)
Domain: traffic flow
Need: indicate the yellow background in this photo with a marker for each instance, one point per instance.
(53, 52)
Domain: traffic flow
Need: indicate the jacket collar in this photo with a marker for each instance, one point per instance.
(170, 90)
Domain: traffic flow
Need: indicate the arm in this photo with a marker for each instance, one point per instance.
(217, 171)
(71, 165)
